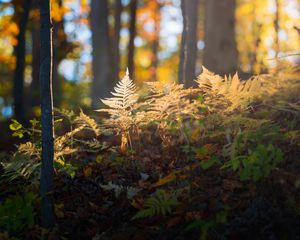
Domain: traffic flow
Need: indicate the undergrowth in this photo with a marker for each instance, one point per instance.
(161, 155)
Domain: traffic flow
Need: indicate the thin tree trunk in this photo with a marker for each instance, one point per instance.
(155, 44)
(100, 43)
(253, 55)
(276, 28)
(220, 51)
(132, 35)
(46, 185)
(116, 39)
(34, 86)
(18, 88)
(188, 54)
(182, 62)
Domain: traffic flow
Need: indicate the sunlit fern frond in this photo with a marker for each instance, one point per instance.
(88, 122)
(29, 149)
(168, 100)
(124, 98)
(122, 110)
(122, 106)
(238, 120)
(21, 165)
(63, 144)
(232, 91)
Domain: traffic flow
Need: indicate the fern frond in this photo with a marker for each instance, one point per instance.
(122, 110)
(161, 203)
(21, 165)
(125, 98)
(236, 93)
(171, 100)
(88, 122)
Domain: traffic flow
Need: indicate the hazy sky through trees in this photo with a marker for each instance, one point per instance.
(171, 28)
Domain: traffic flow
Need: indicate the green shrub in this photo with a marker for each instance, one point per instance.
(257, 164)
(17, 213)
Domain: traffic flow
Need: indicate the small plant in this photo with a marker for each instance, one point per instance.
(25, 162)
(161, 203)
(257, 164)
(230, 93)
(122, 109)
(17, 213)
(207, 225)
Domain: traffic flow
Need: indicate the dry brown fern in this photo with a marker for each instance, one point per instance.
(122, 109)
(230, 93)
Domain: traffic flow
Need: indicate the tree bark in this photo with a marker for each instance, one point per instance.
(116, 40)
(220, 51)
(46, 185)
(155, 44)
(132, 35)
(100, 54)
(188, 52)
(276, 28)
(18, 88)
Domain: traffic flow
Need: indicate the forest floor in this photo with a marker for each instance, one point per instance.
(229, 175)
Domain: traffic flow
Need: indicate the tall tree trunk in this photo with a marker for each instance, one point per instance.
(220, 51)
(100, 43)
(132, 35)
(188, 52)
(116, 40)
(253, 55)
(46, 187)
(18, 88)
(276, 28)
(155, 44)
(35, 34)
(59, 39)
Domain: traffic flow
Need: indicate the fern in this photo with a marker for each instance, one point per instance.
(230, 93)
(122, 108)
(88, 122)
(125, 97)
(161, 203)
(170, 108)
(171, 100)
(26, 161)
(21, 165)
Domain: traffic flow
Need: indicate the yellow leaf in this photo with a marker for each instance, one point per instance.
(169, 178)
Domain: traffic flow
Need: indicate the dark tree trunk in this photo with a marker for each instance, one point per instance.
(116, 40)
(155, 44)
(132, 35)
(188, 52)
(46, 187)
(100, 41)
(18, 88)
(220, 51)
(34, 86)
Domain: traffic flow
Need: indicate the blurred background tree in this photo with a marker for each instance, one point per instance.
(160, 40)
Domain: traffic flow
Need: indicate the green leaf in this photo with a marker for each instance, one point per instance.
(235, 164)
(15, 125)
(245, 174)
(34, 122)
(209, 163)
